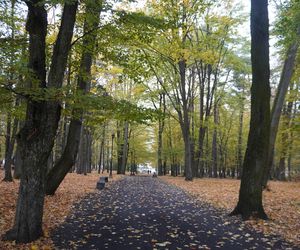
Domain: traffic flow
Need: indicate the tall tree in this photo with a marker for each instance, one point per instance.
(288, 29)
(37, 136)
(11, 124)
(256, 157)
(65, 163)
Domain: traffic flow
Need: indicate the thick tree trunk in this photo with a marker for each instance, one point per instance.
(18, 163)
(281, 169)
(165, 166)
(36, 138)
(200, 161)
(28, 220)
(204, 113)
(256, 157)
(187, 154)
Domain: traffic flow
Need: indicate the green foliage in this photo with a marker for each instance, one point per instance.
(287, 26)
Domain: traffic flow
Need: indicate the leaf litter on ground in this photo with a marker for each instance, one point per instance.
(281, 202)
(73, 188)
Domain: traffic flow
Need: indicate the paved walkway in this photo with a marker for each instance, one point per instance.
(146, 213)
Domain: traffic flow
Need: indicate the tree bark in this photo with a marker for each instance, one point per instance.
(18, 164)
(159, 149)
(68, 158)
(161, 125)
(36, 138)
(10, 137)
(240, 143)
(285, 79)
(125, 148)
(256, 157)
(59, 171)
(120, 147)
(101, 153)
(9, 147)
(185, 124)
(214, 145)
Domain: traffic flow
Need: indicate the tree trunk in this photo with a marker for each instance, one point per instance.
(89, 142)
(281, 169)
(125, 148)
(9, 143)
(287, 115)
(58, 147)
(68, 158)
(285, 79)
(120, 146)
(59, 171)
(256, 157)
(18, 163)
(10, 138)
(101, 153)
(37, 136)
(159, 148)
(214, 145)
(185, 125)
(292, 114)
(82, 153)
(240, 144)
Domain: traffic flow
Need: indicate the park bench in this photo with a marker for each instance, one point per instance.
(101, 183)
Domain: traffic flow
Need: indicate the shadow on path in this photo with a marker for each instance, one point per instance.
(146, 213)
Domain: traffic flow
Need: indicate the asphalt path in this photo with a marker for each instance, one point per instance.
(141, 212)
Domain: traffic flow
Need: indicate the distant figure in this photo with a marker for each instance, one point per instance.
(154, 174)
(148, 172)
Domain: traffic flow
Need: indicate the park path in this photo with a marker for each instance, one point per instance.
(145, 213)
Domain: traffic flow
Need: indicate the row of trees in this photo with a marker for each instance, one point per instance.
(168, 86)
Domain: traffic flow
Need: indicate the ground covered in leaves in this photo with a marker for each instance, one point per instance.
(281, 202)
(142, 212)
(57, 207)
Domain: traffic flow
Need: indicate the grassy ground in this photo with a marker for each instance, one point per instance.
(57, 207)
(281, 202)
